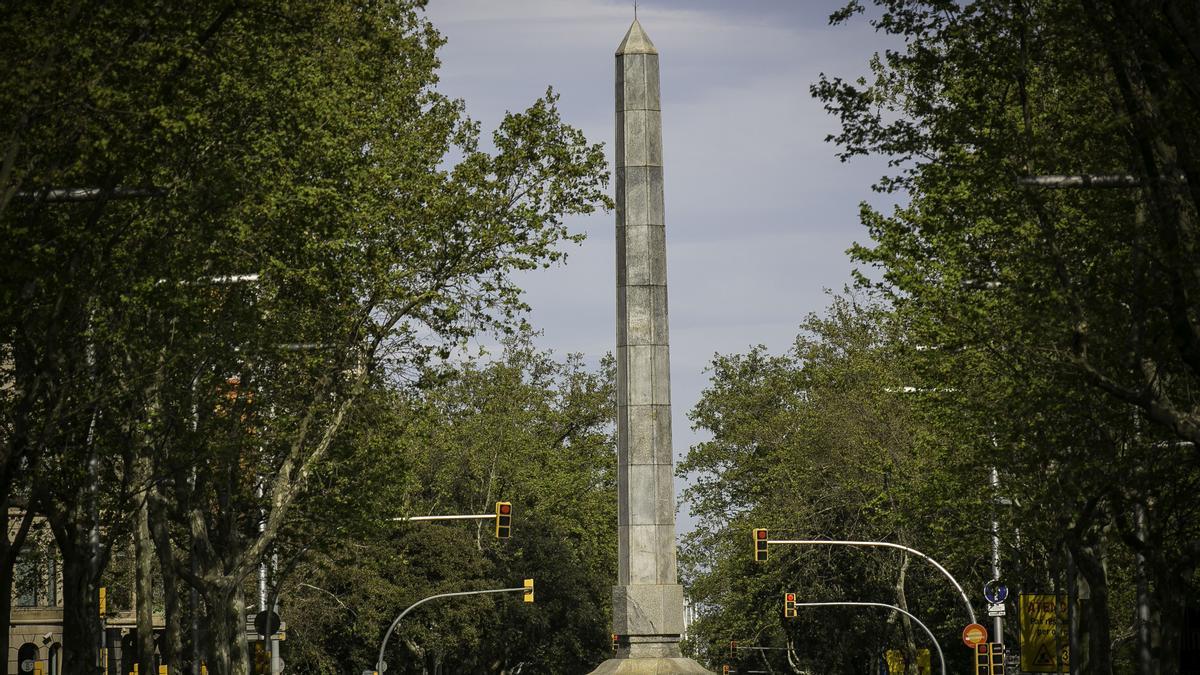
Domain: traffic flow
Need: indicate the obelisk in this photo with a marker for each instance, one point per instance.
(647, 600)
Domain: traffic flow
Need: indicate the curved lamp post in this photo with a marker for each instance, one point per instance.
(884, 544)
(386, 636)
(941, 656)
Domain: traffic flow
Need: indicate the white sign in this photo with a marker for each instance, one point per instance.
(995, 609)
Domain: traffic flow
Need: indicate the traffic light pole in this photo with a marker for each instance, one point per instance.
(503, 517)
(883, 544)
(941, 656)
(379, 665)
(481, 516)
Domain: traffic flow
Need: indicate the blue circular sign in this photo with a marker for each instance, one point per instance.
(995, 592)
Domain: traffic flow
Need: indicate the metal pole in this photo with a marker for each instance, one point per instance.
(998, 621)
(941, 656)
(386, 636)
(481, 516)
(883, 544)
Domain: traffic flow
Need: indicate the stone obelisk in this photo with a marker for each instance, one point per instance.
(647, 600)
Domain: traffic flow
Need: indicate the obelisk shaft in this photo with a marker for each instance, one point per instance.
(648, 601)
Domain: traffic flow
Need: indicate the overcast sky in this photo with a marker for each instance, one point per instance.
(759, 210)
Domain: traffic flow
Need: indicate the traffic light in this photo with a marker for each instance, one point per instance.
(760, 544)
(503, 520)
(733, 650)
(616, 641)
(529, 590)
(789, 605)
(989, 658)
(725, 670)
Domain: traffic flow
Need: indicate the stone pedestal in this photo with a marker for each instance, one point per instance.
(647, 600)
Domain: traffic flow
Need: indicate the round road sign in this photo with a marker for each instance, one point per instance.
(27, 666)
(995, 592)
(974, 635)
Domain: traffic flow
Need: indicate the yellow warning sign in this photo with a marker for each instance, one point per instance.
(1044, 647)
(895, 661)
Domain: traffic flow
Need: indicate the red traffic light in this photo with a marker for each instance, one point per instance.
(503, 520)
(982, 648)
(791, 597)
(760, 544)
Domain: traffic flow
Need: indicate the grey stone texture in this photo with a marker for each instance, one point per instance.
(647, 600)
(649, 666)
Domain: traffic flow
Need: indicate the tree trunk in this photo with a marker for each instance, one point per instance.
(171, 647)
(144, 567)
(1171, 605)
(6, 583)
(229, 651)
(1143, 622)
(911, 666)
(1073, 623)
(1090, 562)
(10, 550)
(81, 612)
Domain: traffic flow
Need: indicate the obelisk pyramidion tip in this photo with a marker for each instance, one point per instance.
(636, 41)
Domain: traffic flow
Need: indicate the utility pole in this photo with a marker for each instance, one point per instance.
(997, 621)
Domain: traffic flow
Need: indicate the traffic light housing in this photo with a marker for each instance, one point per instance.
(503, 520)
(529, 590)
(733, 650)
(789, 605)
(989, 658)
(616, 641)
(760, 544)
(725, 670)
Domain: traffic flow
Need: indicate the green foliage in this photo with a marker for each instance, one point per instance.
(828, 441)
(522, 428)
(283, 224)
(1063, 320)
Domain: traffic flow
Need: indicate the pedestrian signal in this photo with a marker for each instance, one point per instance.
(503, 520)
(760, 545)
(529, 590)
(789, 605)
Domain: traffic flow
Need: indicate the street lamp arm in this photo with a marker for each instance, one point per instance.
(941, 656)
(885, 544)
(396, 622)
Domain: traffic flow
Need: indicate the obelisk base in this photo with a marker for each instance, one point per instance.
(649, 619)
(651, 666)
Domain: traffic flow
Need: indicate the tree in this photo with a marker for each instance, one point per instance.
(828, 441)
(522, 428)
(305, 148)
(1066, 316)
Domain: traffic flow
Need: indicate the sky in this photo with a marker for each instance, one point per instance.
(759, 210)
